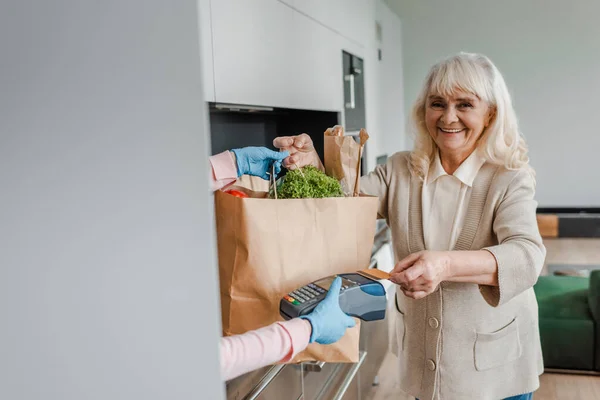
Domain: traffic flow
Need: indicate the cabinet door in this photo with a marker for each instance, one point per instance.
(353, 19)
(286, 386)
(374, 339)
(317, 67)
(252, 43)
(354, 391)
(342, 380)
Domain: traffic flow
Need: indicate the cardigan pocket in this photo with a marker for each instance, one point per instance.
(398, 344)
(497, 348)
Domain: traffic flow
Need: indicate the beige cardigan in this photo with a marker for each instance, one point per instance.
(466, 341)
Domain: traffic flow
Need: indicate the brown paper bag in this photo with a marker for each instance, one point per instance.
(267, 248)
(254, 183)
(342, 158)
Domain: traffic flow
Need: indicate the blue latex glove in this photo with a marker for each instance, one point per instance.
(328, 321)
(257, 161)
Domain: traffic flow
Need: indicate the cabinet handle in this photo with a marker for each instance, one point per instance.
(352, 103)
(262, 385)
(349, 377)
(240, 107)
(314, 366)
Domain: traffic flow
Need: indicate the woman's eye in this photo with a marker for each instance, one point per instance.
(437, 104)
(465, 105)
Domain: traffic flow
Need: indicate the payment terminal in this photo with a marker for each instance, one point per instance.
(361, 296)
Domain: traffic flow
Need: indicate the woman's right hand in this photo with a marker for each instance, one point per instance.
(301, 149)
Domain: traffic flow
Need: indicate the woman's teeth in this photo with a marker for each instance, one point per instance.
(450, 130)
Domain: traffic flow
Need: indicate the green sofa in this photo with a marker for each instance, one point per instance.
(569, 317)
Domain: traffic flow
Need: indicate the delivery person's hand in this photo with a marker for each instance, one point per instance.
(328, 321)
(302, 151)
(257, 161)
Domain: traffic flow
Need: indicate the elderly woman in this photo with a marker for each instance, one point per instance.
(461, 210)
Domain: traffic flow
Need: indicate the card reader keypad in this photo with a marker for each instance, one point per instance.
(368, 305)
(304, 294)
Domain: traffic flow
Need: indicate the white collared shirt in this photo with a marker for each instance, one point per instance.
(445, 200)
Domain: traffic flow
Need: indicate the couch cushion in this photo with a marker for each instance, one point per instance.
(567, 328)
(567, 343)
(563, 297)
(594, 303)
(594, 294)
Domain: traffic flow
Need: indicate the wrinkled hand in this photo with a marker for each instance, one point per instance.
(419, 274)
(328, 321)
(301, 149)
(257, 161)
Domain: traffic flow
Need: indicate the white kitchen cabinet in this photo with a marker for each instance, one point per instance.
(284, 53)
(268, 54)
(252, 49)
(316, 82)
(352, 19)
(206, 49)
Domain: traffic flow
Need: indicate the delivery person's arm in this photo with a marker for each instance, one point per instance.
(281, 341)
(226, 167)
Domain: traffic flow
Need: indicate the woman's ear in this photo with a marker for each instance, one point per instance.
(490, 115)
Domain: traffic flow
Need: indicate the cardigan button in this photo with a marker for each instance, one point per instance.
(434, 323)
(431, 365)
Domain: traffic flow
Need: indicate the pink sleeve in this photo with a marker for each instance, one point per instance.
(223, 171)
(278, 342)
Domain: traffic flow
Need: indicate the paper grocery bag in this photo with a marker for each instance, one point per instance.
(267, 248)
(253, 183)
(343, 156)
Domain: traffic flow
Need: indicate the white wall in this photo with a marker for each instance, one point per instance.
(391, 92)
(372, 85)
(107, 269)
(383, 83)
(549, 53)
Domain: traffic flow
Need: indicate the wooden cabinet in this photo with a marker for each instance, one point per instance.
(548, 225)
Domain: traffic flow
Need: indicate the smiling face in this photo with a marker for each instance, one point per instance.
(455, 122)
